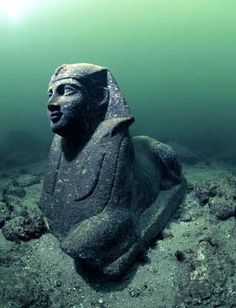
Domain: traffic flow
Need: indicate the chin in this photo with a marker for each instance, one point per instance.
(62, 129)
(59, 129)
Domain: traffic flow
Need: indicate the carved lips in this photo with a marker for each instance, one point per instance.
(55, 116)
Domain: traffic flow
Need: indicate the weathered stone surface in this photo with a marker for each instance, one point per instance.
(24, 228)
(106, 195)
(4, 213)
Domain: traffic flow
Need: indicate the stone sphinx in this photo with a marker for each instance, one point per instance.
(105, 195)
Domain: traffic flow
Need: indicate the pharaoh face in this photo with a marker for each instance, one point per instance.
(75, 108)
(66, 106)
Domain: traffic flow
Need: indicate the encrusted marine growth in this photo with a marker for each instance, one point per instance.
(106, 195)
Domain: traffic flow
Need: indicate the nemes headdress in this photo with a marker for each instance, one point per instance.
(94, 76)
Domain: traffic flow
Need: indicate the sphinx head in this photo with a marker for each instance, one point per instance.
(78, 98)
(81, 96)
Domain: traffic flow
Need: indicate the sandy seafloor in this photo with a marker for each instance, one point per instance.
(192, 263)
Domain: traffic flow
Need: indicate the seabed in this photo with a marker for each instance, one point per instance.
(191, 263)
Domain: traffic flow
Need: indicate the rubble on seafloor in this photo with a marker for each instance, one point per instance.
(191, 264)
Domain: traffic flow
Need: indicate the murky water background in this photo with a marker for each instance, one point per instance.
(174, 61)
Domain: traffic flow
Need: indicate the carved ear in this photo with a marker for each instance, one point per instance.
(117, 106)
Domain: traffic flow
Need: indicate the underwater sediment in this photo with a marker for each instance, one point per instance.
(191, 263)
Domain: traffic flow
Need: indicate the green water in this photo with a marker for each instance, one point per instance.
(173, 59)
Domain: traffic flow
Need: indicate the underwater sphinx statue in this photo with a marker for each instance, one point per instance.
(106, 195)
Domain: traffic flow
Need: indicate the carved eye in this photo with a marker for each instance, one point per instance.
(49, 93)
(60, 89)
(69, 90)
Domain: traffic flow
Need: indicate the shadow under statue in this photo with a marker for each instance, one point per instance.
(106, 195)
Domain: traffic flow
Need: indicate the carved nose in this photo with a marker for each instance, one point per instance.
(53, 107)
